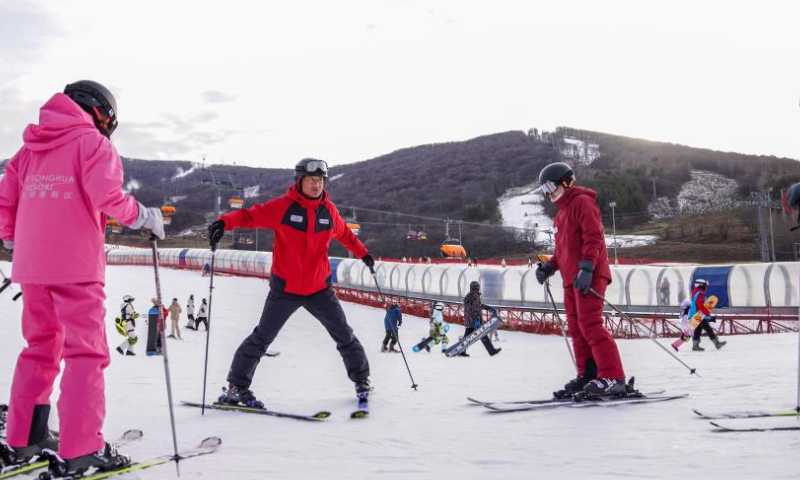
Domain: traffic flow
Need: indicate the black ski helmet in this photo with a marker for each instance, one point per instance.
(97, 101)
(474, 286)
(310, 167)
(558, 173)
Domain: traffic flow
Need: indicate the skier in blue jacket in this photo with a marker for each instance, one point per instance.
(392, 322)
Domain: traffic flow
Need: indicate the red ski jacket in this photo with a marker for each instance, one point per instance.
(579, 235)
(700, 301)
(303, 229)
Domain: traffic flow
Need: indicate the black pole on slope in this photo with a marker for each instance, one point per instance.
(208, 326)
(560, 323)
(636, 323)
(161, 320)
(383, 299)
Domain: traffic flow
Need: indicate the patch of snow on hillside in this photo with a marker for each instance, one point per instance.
(707, 192)
(182, 173)
(178, 198)
(336, 177)
(522, 208)
(624, 241)
(579, 150)
(250, 192)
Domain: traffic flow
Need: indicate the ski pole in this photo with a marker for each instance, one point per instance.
(208, 326)
(176, 457)
(383, 299)
(636, 323)
(560, 323)
(6, 283)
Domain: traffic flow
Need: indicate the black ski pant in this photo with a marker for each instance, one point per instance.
(704, 325)
(391, 336)
(198, 321)
(325, 307)
(487, 342)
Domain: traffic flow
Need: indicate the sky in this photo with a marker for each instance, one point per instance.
(267, 83)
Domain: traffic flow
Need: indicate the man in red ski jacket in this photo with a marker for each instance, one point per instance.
(304, 221)
(580, 254)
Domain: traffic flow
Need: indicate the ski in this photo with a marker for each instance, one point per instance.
(600, 401)
(725, 429)
(271, 354)
(321, 415)
(207, 446)
(37, 462)
(745, 414)
(482, 403)
(363, 406)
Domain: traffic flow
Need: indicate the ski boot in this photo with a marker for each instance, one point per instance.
(363, 386)
(384, 349)
(718, 343)
(105, 459)
(236, 395)
(573, 386)
(696, 346)
(605, 387)
(22, 455)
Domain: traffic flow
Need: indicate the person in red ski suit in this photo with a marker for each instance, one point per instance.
(305, 221)
(580, 254)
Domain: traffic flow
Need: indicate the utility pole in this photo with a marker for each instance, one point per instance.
(759, 200)
(654, 189)
(771, 231)
(613, 205)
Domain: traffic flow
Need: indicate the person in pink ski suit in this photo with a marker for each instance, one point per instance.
(57, 192)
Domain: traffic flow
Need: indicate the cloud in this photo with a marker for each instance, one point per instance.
(215, 96)
(25, 31)
(170, 136)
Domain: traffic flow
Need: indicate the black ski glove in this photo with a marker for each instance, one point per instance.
(215, 232)
(711, 318)
(543, 271)
(583, 280)
(368, 261)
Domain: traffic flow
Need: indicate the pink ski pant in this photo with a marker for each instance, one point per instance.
(62, 322)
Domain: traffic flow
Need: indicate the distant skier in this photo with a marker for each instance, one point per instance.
(473, 318)
(55, 197)
(305, 221)
(392, 323)
(202, 316)
(127, 323)
(698, 305)
(175, 318)
(438, 327)
(580, 254)
(190, 312)
(686, 332)
(206, 270)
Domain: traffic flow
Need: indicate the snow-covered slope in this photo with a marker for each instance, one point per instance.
(430, 433)
(522, 208)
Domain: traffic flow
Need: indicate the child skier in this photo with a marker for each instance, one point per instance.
(127, 323)
(698, 305)
(438, 327)
(686, 333)
(392, 322)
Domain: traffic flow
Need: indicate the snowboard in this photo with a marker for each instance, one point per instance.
(429, 341)
(693, 322)
(152, 331)
(484, 330)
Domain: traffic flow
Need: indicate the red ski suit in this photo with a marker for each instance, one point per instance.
(303, 229)
(579, 236)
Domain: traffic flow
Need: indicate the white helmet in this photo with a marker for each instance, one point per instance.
(128, 298)
(439, 306)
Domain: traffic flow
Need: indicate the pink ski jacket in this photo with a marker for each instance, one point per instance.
(56, 194)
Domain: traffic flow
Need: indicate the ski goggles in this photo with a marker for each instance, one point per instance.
(314, 167)
(549, 188)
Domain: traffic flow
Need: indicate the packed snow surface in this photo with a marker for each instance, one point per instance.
(431, 433)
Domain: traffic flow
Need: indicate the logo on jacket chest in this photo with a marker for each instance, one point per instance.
(297, 218)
